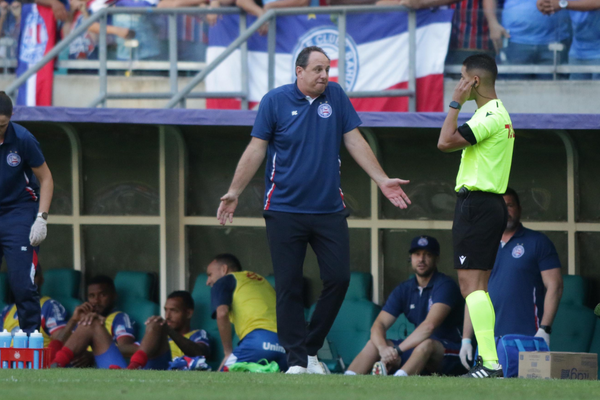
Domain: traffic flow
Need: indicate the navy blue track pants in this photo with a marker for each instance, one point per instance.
(288, 235)
(15, 226)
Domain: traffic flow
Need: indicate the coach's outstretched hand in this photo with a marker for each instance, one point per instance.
(226, 209)
(392, 190)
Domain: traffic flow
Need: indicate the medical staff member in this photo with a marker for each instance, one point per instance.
(26, 188)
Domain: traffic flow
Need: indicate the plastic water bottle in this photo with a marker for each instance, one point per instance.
(5, 339)
(20, 341)
(36, 341)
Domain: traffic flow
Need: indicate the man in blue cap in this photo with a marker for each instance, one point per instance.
(433, 303)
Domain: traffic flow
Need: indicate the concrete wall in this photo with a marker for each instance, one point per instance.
(557, 97)
(518, 96)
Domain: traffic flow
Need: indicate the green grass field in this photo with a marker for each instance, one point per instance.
(182, 385)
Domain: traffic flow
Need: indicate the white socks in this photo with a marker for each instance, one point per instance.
(400, 372)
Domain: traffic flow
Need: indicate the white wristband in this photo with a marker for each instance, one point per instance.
(466, 341)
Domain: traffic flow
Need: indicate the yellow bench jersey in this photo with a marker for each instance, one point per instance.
(251, 301)
(196, 336)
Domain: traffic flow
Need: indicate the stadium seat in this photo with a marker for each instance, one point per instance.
(574, 290)
(352, 327)
(139, 310)
(63, 286)
(361, 286)
(271, 280)
(572, 329)
(595, 347)
(3, 290)
(400, 329)
(134, 291)
(134, 284)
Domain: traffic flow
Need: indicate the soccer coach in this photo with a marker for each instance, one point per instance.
(300, 127)
(26, 188)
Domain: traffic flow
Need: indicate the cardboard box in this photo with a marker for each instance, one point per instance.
(558, 365)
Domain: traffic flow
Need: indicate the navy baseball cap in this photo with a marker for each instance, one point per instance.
(426, 243)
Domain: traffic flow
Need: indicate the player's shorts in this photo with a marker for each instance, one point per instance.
(161, 362)
(257, 345)
(112, 356)
(450, 365)
(479, 221)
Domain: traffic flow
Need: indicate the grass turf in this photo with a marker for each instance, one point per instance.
(181, 385)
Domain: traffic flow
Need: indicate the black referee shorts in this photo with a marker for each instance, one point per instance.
(479, 221)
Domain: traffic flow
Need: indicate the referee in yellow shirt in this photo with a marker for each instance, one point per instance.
(480, 216)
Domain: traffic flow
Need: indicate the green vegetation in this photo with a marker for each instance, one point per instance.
(182, 385)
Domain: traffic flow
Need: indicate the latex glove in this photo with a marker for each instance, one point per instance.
(466, 353)
(38, 232)
(542, 333)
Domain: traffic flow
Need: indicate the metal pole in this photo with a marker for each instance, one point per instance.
(244, 54)
(412, 60)
(103, 56)
(272, 43)
(210, 67)
(173, 56)
(342, 50)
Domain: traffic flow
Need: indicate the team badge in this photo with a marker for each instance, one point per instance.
(34, 37)
(518, 251)
(324, 110)
(423, 242)
(326, 37)
(13, 159)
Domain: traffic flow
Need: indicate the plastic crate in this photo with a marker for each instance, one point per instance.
(23, 358)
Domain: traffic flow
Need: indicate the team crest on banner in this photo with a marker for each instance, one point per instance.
(13, 159)
(518, 251)
(34, 39)
(326, 37)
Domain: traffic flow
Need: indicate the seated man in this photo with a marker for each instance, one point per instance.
(110, 333)
(54, 315)
(433, 303)
(247, 300)
(171, 337)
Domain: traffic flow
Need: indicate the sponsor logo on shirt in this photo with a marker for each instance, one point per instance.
(429, 304)
(13, 159)
(518, 251)
(51, 323)
(324, 110)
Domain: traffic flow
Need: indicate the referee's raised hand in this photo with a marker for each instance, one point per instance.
(392, 190)
(226, 209)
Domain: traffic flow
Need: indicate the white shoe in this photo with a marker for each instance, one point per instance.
(379, 368)
(296, 370)
(314, 366)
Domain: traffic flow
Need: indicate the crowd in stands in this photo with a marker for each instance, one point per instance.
(525, 285)
(517, 32)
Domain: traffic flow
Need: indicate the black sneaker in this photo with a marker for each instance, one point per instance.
(479, 371)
